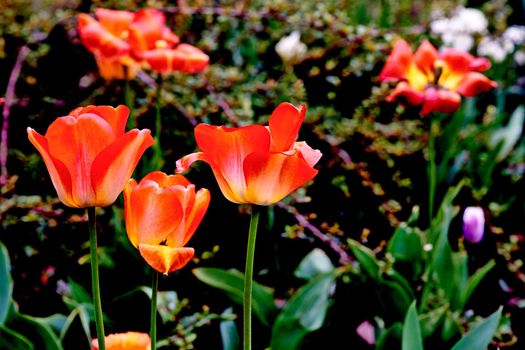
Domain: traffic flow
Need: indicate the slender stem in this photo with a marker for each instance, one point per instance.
(95, 284)
(153, 323)
(431, 173)
(128, 100)
(248, 278)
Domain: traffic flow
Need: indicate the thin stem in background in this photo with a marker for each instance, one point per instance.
(95, 284)
(248, 279)
(431, 173)
(9, 99)
(153, 323)
(128, 100)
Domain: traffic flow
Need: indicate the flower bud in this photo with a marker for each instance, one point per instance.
(473, 224)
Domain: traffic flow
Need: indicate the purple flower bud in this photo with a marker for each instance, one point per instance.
(473, 224)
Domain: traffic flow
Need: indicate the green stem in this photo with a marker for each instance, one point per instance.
(431, 173)
(95, 284)
(153, 323)
(248, 278)
(128, 100)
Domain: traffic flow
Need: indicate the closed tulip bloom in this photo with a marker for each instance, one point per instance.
(125, 341)
(435, 80)
(89, 156)
(162, 213)
(256, 164)
(473, 224)
(184, 58)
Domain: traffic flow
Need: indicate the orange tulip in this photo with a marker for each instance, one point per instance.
(88, 155)
(435, 80)
(107, 40)
(125, 341)
(184, 58)
(162, 213)
(149, 32)
(256, 164)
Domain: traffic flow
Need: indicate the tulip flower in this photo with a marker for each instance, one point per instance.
(162, 213)
(184, 58)
(435, 80)
(125, 341)
(256, 164)
(473, 224)
(88, 155)
(107, 39)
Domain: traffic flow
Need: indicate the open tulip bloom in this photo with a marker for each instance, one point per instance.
(256, 165)
(162, 213)
(125, 341)
(435, 80)
(90, 158)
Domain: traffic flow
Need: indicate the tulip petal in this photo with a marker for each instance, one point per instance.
(57, 170)
(462, 62)
(444, 101)
(116, 117)
(115, 21)
(166, 259)
(425, 56)
(76, 142)
(125, 341)
(474, 83)
(285, 123)
(196, 214)
(310, 155)
(398, 63)
(147, 29)
(226, 149)
(182, 165)
(404, 90)
(98, 39)
(113, 167)
(272, 176)
(151, 212)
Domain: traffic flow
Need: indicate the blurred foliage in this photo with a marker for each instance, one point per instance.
(356, 245)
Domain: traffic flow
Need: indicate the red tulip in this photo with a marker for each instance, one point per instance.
(162, 213)
(435, 80)
(148, 32)
(88, 155)
(257, 164)
(184, 58)
(125, 341)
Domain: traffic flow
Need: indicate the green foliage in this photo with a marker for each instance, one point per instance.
(412, 339)
(481, 335)
(6, 284)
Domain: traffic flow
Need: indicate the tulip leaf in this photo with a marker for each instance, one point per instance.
(6, 284)
(505, 138)
(366, 259)
(229, 334)
(474, 281)
(405, 244)
(232, 282)
(303, 313)
(36, 330)
(313, 264)
(481, 335)
(412, 339)
(12, 340)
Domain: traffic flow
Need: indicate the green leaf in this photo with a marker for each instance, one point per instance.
(36, 330)
(394, 287)
(405, 244)
(232, 282)
(412, 339)
(12, 340)
(229, 334)
(314, 264)
(366, 259)
(431, 320)
(475, 279)
(6, 283)
(481, 335)
(389, 338)
(505, 138)
(303, 313)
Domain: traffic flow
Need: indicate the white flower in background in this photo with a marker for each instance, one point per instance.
(515, 34)
(519, 58)
(457, 31)
(290, 48)
(495, 48)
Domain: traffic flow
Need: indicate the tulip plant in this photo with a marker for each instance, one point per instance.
(385, 215)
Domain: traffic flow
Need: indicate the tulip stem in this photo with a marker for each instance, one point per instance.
(431, 174)
(153, 323)
(248, 278)
(128, 99)
(95, 284)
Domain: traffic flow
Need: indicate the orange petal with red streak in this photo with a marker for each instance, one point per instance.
(285, 123)
(166, 259)
(474, 83)
(397, 63)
